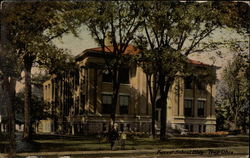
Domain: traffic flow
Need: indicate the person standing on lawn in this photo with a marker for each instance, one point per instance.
(113, 136)
(123, 140)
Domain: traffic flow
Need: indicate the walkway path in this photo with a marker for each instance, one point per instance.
(192, 152)
(211, 139)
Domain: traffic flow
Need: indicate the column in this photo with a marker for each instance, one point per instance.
(181, 98)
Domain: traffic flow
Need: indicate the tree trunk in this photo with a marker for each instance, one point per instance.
(163, 106)
(27, 133)
(164, 89)
(9, 84)
(116, 87)
(152, 93)
(163, 116)
(236, 120)
(153, 119)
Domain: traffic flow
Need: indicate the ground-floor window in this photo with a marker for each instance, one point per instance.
(199, 128)
(128, 127)
(191, 128)
(201, 107)
(157, 114)
(124, 102)
(121, 127)
(104, 128)
(106, 103)
(204, 128)
(188, 106)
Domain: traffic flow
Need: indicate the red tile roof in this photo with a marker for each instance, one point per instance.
(131, 50)
(195, 62)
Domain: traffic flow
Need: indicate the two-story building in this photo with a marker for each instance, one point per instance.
(81, 100)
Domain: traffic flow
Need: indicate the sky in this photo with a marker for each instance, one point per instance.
(76, 44)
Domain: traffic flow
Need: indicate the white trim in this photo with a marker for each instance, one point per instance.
(201, 99)
(188, 98)
(107, 93)
(124, 94)
(107, 82)
(111, 93)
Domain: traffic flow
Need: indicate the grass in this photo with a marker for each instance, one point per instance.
(83, 143)
(89, 143)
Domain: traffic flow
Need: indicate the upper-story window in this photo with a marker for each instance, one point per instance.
(188, 107)
(201, 107)
(124, 102)
(188, 82)
(124, 75)
(201, 85)
(106, 76)
(106, 103)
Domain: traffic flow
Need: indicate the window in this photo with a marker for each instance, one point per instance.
(157, 115)
(204, 128)
(104, 128)
(128, 127)
(107, 104)
(199, 128)
(124, 101)
(121, 127)
(124, 75)
(201, 85)
(201, 105)
(188, 105)
(191, 128)
(188, 82)
(106, 76)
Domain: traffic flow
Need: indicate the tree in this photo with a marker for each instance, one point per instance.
(32, 26)
(149, 68)
(117, 21)
(174, 30)
(38, 111)
(9, 74)
(233, 99)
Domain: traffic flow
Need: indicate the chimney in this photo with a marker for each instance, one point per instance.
(107, 40)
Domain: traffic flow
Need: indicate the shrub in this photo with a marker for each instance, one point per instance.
(234, 132)
(211, 134)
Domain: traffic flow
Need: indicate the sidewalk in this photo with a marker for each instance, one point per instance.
(241, 150)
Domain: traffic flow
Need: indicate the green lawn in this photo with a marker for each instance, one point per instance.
(81, 143)
(86, 143)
